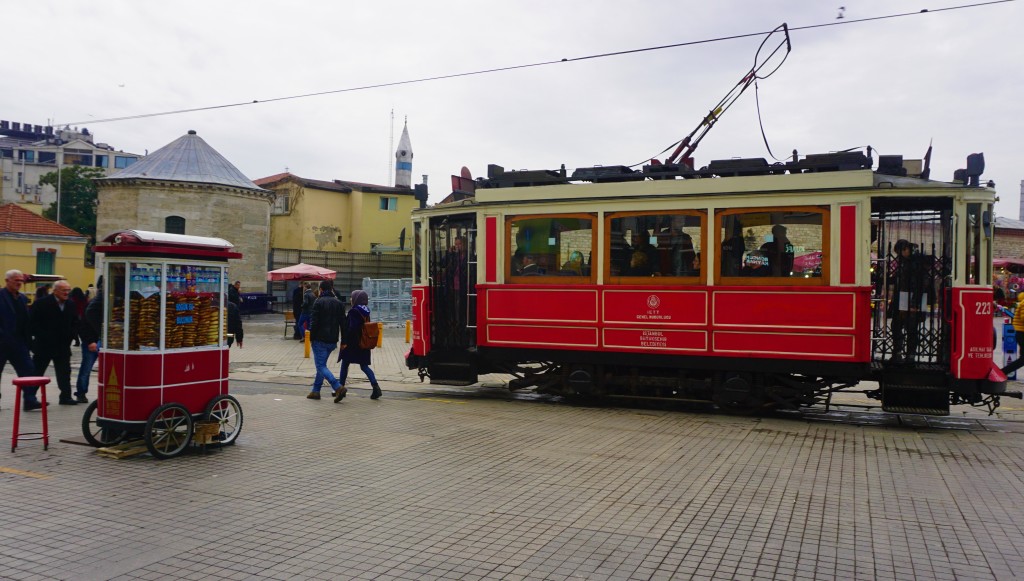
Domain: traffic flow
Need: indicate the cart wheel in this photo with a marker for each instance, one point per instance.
(227, 411)
(96, 435)
(168, 431)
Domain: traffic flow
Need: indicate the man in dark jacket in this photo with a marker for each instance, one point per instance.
(54, 324)
(297, 309)
(15, 335)
(235, 325)
(308, 298)
(90, 332)
(326, 318)
(234, 294)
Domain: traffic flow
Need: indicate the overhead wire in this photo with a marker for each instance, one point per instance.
(524, 66)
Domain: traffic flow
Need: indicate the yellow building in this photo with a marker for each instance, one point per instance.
(35, 245)
(338, 216)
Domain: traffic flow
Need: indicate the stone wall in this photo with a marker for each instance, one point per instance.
(1008, 243)
(239, 216)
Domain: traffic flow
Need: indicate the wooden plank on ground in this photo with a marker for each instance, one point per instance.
(124, 450)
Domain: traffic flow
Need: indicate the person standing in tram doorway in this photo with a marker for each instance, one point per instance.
(456, 281)
(906, 299)
(15, 335)
(325, 326)
(54, 324)
(351, 352)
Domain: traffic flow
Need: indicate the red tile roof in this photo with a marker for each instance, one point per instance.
(17, 220)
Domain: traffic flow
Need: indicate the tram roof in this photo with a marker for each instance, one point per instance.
(764, 184)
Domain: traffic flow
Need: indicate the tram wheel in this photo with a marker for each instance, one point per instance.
(226, 411)
(738, 395)
(96, 435)
(168, 431)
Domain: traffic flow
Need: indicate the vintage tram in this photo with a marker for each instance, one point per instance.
(743, 283)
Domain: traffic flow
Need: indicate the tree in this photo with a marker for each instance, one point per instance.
(78, 200)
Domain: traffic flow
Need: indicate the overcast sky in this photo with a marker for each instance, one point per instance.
(954, 77)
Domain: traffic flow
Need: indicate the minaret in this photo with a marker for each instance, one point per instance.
(403, 160)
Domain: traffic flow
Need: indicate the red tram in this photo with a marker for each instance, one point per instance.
(749, 285)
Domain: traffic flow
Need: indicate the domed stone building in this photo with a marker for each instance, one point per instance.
(187, 187)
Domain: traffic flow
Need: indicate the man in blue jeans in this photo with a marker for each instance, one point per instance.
(326, 318)
(90, 332)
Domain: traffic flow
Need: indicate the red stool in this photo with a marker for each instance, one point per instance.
(21, 383)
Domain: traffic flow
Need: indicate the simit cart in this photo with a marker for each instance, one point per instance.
(163, 365)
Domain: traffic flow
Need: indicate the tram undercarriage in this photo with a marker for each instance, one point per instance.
(743, 389)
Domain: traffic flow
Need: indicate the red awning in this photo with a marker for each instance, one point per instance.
(301, 271)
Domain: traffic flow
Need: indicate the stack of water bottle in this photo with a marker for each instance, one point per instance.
(390, 299)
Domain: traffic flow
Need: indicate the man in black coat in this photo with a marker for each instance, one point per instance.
(90, 332)
(15, 336)
(297, 309)
(54, 325)
(235, 325)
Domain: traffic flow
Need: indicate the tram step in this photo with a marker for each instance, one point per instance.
(124, 450)
(899, 409)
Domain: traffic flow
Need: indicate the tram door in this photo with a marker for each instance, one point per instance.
(452, 269)
(912, 249)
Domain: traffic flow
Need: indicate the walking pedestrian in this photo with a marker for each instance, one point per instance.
(351, 352)
(324, 332)
(15, 334)
(90, 334)
(54, 325)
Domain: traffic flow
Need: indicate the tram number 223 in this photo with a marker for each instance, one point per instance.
(983, 308)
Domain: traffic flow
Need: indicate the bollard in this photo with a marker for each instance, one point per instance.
(306, 355)
(408, 331)
(380, 335)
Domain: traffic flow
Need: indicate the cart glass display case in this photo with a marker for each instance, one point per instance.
(164, 359)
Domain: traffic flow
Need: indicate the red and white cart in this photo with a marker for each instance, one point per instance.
(163, 364)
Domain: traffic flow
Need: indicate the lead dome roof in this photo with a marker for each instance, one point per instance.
(187, 159)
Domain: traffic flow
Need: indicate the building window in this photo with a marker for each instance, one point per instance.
(77, 159)
(19, 179)
(6, 153)
(389, 204)
(121, 162)
(280, 204)
(47, 157)
(45, 259)
(27, 155)
(102, 161)
(174, 225)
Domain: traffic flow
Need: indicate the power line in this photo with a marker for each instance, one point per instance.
(529, 65)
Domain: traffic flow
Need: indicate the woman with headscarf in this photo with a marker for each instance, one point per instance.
(351, 352)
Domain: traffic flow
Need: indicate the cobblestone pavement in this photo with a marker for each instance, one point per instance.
(426, 485)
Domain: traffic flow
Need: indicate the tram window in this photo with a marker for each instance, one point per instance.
(417, 249)
(115, 289)
(974, 234)
(785, 243)
(559, 245)
(643, 245)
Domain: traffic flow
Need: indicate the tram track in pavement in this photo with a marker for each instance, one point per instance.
(837, 414)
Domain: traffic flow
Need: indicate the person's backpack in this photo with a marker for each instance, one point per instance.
(369, 335)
